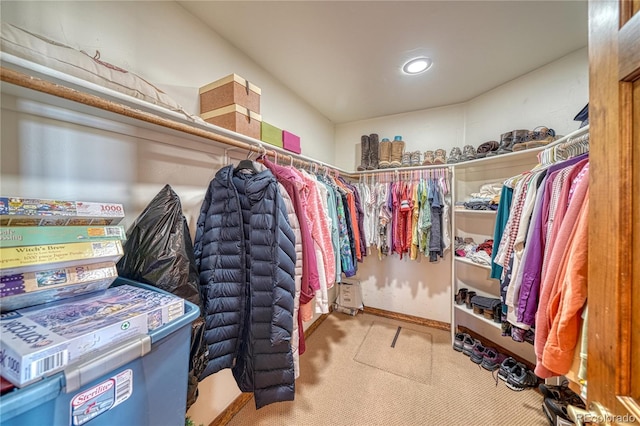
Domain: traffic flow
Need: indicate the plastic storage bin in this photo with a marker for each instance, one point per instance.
(140, 382)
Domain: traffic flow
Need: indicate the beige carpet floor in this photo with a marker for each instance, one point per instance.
(350, 375)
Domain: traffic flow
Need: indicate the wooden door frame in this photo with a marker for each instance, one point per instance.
(613, 222)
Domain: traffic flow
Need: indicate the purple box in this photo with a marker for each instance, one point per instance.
(291, 142)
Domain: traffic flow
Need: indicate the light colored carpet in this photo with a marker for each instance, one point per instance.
(397, 350)
(335, 389)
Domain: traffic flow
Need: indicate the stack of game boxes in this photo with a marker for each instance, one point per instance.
(57, 266)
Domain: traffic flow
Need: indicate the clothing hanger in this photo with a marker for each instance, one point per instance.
(247, 164)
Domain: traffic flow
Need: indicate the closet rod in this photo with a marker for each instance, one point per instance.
(403, 169)
(34, 83)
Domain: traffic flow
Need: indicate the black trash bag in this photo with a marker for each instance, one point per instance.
(159, 252)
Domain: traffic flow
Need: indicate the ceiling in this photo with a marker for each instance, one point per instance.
(344, 57)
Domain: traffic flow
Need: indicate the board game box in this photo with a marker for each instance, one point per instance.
(16, 260)
(48, 285)
(19, 236)
(17, 211)
(42, 340)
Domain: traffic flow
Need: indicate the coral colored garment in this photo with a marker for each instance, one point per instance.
(565, 309)
(549, 286)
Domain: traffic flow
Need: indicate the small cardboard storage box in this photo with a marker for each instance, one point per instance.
(291, 142)
(271, 134)
(236, 118)
(230, 90)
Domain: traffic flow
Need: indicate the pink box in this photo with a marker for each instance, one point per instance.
(291, 142)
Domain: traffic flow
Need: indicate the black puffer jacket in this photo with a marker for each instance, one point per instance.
(245, 252)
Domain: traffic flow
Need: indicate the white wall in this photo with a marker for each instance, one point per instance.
(549, 96)
(43, 155)
(166, 45)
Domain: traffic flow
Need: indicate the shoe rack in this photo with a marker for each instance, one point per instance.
(469, 176)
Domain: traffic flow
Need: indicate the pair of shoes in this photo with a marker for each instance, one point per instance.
(492, 359)
(507, 141)
(540, 136)
(468, 153)
(455, 156)
(486, 148)
(477, 352)
(458, 341)
(406, 159)
(415, 158)
(519, 137)
(461, 297)
(517, 376)
(440, 156)
(505, 368)
(429, 157)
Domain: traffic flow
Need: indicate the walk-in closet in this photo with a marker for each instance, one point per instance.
(224, 212)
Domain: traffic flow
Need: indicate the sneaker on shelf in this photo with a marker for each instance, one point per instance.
(455, 156)
(468, 153)
(416, 157)
(521, 378)
(406, 159)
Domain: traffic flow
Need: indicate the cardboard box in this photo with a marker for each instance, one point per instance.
(271, 134)
(17, 260)
(37, 235)
(42, 340)
(236, 118)
(52, 284)
(17, 211)
(230, 90)
(291, 142)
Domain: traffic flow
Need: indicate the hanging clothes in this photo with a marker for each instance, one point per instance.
(551, 285)
(310, 280)
(435, 241)
(536, 243)
(297, 329)
(245, 254)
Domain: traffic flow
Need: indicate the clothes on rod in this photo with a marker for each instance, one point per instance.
(541, 257)
(407, 213)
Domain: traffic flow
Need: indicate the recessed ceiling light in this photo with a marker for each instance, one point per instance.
(417, 65)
